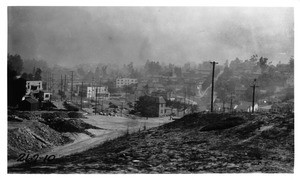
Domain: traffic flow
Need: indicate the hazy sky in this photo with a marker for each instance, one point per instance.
(74, 35)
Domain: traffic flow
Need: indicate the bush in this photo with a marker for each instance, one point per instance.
(70, 107)
(75, 115)
(71, 125)
(111, 105)
(49, 116)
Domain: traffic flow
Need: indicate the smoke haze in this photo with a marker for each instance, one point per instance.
(73, 35)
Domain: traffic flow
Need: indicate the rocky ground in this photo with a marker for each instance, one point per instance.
(197, 143)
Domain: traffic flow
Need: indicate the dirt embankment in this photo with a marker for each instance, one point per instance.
(37, 132)
(197, 143)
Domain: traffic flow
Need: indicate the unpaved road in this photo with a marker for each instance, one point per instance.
(111, 128)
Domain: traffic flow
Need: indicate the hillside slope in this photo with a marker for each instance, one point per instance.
(197, 143)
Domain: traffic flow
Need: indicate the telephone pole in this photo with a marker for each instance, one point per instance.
(61, 87)
(65, 87)
(81, 95)
(231, 103)
(212, 86)
(96, 100)
(253, 95)
(71, 85)
(93, 89)
(52, 82)
(184, 101)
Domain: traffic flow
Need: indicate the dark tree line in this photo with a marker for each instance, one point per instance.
(16, 87)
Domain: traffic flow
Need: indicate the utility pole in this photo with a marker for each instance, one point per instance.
(212, 86)
(65, 87)
(52, 84)
(81, 95)
(71, 85)
(122, 110)
(93, 89)
(231, 103)
(253, 96)
(61, 87)
(47, 80)
(96, 100)
(184, 101)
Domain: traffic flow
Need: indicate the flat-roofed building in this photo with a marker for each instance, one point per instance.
(102, 92)
(120, 82)
(34, 86)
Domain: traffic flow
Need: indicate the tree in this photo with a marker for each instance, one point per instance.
(29, 63)
(30, 77)
(254, 58)
(97, 72)
(147, 106)
(186, 67)
(175, 104)
(16, 91)
(111, 86)
(177, 71)
(291, 64)
(24, 76)
(16, 87)
(152, 68)
(289, 94)
(224, 89)
(62, 93)
(89, 77)
(104, 71)
(38, 74)
(129, 88)
(225, 85)
(81, 71)
(263, 63)
(226, 64)
(15, 64)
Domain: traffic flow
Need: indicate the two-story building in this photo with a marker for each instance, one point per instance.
(34, 86)
(120, 82)
(102, 92)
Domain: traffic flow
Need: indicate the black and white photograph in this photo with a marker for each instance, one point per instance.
(150, 89)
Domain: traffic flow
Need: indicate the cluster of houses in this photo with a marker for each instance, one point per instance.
(162, 87)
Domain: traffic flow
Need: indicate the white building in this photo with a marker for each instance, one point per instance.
(34, 86)
(120, 82)
(101, 92)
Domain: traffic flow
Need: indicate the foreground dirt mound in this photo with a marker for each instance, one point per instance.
(33, 138)
(26, 115)
(256, 143)
(70, 125)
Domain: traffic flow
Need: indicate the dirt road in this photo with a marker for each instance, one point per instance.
(112, 127)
